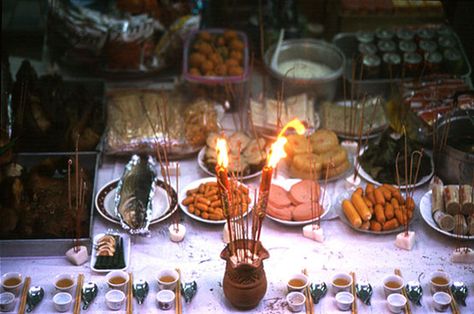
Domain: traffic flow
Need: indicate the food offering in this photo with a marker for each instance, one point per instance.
(449, 209)
(143, 120)
(377, 210)
(246, 155)
(110, 252)
(379, 159)
(135, 190)
(321, 151)
(200, 200)
(290, 201)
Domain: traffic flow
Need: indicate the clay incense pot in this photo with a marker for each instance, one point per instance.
(245, 282)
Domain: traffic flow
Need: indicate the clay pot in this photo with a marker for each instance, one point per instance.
(244, 284)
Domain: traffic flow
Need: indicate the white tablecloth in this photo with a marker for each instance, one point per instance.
(371, 257)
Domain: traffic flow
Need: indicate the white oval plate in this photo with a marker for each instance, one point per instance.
(195, 184)
(287, 184)
(425, 210)
(203, 166)
(162, 209)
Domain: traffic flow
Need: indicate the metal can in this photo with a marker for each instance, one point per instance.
(444, 30)
(392, 64)
(371, 67)
(433, 61)
(367, 49)
(365, 37)
(446, 41)
(453, 62)
(412, 63)
(425, 33)
(384, 33)
(407, 46)
(405, 34)
(386, 45)
(427, 46)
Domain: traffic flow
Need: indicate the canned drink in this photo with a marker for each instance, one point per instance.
(386, 45)
(446, 41)
(371, 66)
(425, 33)
(407, 46)
(392, 64)
(427, 46)
(412, 63)
(453, 61)
(405, 34)
(433, 61)
(365, 37)
(384, 33)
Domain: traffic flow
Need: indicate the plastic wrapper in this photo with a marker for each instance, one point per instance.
(141, 121)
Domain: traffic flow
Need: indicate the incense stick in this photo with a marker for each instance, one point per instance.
(130, 293)
(353, 291)
(309, 301)
(24, 295)
(77, 299)
(404, 292)
(178, 303)
(454, 305)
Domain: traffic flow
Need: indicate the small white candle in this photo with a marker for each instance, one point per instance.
(313, 232)
(225, 234)
(405, 241)
(77, 255)
(463, 255)
(177, 232)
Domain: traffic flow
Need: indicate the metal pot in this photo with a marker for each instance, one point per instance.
(317, 51)
(455, 161)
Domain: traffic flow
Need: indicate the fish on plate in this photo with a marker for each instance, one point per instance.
(135, 190)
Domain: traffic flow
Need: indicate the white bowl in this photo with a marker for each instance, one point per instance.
(301, 277)
(165, 299)
(344, 300)
(15, 289)
(62, 301)
(7, 301)
(442, 301)
(115, 299)
(296, 301)
(60, 277)
(396, 302)
(117, 273)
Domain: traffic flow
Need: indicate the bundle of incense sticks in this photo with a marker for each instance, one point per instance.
(404, 292)
(178, 304)
(77, 299)
(130, 293)
(353, 291)
(309, 300)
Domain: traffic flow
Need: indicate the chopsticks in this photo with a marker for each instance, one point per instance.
(24, 295)
(178, 305)
(130, 293)
(77, 300)
(309, 300)
(454, 305)
(353, 291)
(404, 292)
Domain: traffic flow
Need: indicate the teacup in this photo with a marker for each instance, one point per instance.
(439, 281)
(7, 301)
(115, 299)
(117, 279)
(341, 282)
(62, 301)
(396, 302)
(344, 300)
(64, 283)
(441, 301)
(296, 301)
(167, 279)
(11, 282)
(298, 282)
(165, 299)
(392, 284)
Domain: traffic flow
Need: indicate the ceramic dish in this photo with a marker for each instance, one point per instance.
(203, 166)
(163, 206)
(287, 184)
(342, 216)
(195, 184)
(425, 210)
(126, 252)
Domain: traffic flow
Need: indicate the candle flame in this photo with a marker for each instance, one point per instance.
(277, 150)
(221, 151)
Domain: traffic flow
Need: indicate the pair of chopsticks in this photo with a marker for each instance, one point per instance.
(130, 294)
(24, 295)
(454, 305)
(178, 305)
(353, 291)
(309, 300)
(77, 300)
(404, 292)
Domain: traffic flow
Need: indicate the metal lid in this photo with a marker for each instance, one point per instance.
(446, 41)
(444, 30)
(383, 33)
(407, 46)
(434, 57)
(428, 45)
(452, 54)
(392, 58)
(412, 58)
(405, 34)
(387, 45)
(367, 49)
(425, 33)
(371, 60)
(364, 37)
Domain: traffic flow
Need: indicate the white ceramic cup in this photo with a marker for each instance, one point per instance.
(165, 299)
(296, 301)
(61, 277)
(298, 277)
(115, 299)
(435, 281)
(62, 301)
(337, 287)
(442, 301)
(7, 301)
(13, 288)
(396, 302)
(167, 274)
(344, 300)
(114, 274)
(392, 284)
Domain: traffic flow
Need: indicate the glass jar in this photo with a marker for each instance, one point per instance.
(433, 61)
(384, 33)
(392, 64)
(453, 62)
(446, 41)
(386, 45)
(427, 46)
(405, 34)
(367, 49)
(365, 37)
(425, 34)
(407, 46)
(370, 67)
(412, 63)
